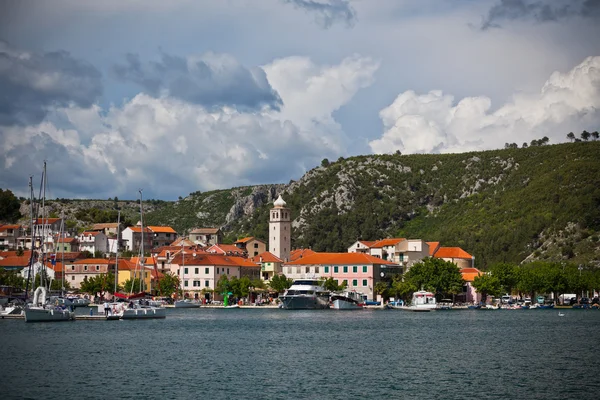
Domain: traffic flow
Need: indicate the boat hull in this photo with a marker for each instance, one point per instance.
(186, 304)
(340, 304)
(48, 315)
(304, 302)
(144, 313)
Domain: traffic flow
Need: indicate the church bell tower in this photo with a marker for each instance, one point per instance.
(280, 230)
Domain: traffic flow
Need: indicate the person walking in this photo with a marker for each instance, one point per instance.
(106, 309)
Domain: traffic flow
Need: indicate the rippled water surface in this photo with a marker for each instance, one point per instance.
(328, 354)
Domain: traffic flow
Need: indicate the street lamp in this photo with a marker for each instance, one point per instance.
(580, 268)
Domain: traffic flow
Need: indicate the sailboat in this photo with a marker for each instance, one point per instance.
(140, 310)
(40, 310)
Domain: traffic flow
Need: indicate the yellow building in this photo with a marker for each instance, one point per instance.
(130, 269)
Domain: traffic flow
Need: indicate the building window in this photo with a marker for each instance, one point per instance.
(227, 271)
(185, 283)
(206, 271)
(401, 257)
(73, 278)
(256, 245)
(205, 283)
(326, 269)
(306, 270)
(196, 271)
(355, 269)
(72, 268)
(185, 271)
(316, 270)
(345, 269)
(85, 267)
(335, 269)
(354, 282)
(364, 268)
(97, 268)
(297, 270)
(364, 283)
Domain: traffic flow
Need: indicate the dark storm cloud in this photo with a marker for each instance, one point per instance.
(539, 11)
(328, 12)
(210, 81)
(30, 83)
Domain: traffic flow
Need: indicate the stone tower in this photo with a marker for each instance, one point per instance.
(280, 230)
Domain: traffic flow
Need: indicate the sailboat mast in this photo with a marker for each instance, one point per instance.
(62, 260)
(44, 223)
(142, 255)
(32, 237)
(117, 251)
(182, 270)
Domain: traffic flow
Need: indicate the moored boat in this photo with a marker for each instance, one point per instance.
(39, 311)
(422, 301)
(305, 294)
(186, 304)
(349, 300)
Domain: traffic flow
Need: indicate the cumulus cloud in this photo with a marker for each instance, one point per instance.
(210, 80)
(171, 147)
(32, 83)
(539, 11)
(328, 12)
(432, 122)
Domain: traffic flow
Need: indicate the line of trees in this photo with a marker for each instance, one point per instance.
(537, 277)
(585, 136)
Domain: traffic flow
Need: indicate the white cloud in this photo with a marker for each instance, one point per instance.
(432, 123)
(171, 147)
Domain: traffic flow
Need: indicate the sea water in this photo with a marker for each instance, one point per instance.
(290, 354)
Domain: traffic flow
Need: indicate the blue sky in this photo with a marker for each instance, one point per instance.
(184, 95)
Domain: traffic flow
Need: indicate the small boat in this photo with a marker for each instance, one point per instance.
(561, 314)
(349, 300)
(186, 304)
(305, 294)
(232, 306)
(445, 305)
(474, 307)
(39, 311)
(422, 301)
(10, 309)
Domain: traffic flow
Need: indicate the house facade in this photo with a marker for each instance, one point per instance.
(469, 294)
(9, 235)
(227, 249)
(456, 255)
(270, 265)
(93, 241)
(251, 246)
(76, 271)
(67, 245)
(358, 271)
(132, 238)
(162, 235)
(206, 236)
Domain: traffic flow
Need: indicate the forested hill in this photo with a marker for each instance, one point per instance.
(541, 202)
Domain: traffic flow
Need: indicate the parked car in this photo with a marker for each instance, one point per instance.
(585, 300)
(572, 301)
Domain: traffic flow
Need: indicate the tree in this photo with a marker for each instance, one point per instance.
(595, 135)
(99, 283)
(402, 289)
(333, 286)
(487, 284)
(571, 136)
(168, 284)
(9, 207)
(585, 135)
(437, 276)
(506, 275)
(11, 278)
(381, 288)
(524, 145)
(280, 283)
(324, 162)
(131, 285)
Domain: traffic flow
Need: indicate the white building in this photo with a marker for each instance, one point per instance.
(93, 241)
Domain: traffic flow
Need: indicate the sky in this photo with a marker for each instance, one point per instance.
(180, 96)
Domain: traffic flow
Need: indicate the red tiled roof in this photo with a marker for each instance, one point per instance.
(368, 243)
(299, 253)
(224, 248)
(266, 257)
(7, 227)
(15, 261)
(90, 233)
(245, 240)
(66, 240)
(339, 258)
(94, 261)
(41, 221)
(433, 247)
(13, 253)
(451, 252)
(161, 229)
(386, 242)
(57, 268)
(469, 274)
(138, 229)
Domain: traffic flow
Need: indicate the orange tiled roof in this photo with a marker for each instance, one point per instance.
(368, 243)
(57, 268)
(126, 265)
(7, 227)
(299, 253)
(13, 253)
(451, 252)
(14, 261)
(266, 257)
(66, 240)
(205, 231)
(224, 248)
(339, 258)
(41, 221)
(161, 229)
(138, 229)
(433, 247)
(469, 274)
(94, 261)
(182, 240)
(90, 233)
(386, 242)
(245, 240)
(213, 259)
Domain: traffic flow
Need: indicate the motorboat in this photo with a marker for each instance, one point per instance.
(422, 301)
(79, 301)
(10, 309)
(305, 294)
(134, 310)
(186, 304)
(348, 300)
(40, 311)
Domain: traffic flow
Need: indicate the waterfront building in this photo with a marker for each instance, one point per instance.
(469, 294)
(270, 265)
(280, 230)
(455, 255)
(359, 271)
(130, 269)
(76, 271)
(227, 249)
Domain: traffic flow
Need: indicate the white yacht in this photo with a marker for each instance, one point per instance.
(39, 311)
(305, 294)
(349, 300)
(422, 301)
